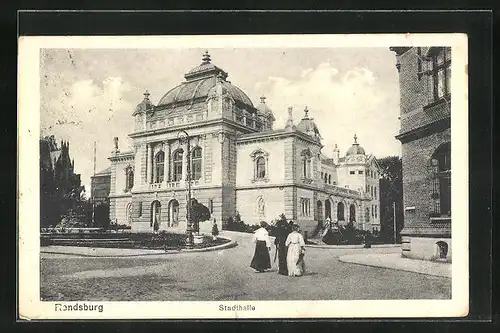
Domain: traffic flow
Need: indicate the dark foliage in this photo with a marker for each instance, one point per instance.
(236, 224)
(199, 213)
(60, 187)
(391, 194)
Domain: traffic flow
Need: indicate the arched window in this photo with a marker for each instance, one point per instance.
(177, 165)
(326, 178)
(352, 213)
(196, 163)
(159, 166)
(340, 212)
(260, 165)
(441, 189)
(306, 163)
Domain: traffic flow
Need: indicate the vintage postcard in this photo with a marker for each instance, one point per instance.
(278, 176)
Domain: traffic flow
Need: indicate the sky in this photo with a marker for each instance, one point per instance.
(89, 95)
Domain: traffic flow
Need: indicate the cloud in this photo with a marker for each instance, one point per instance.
(342, 104)
(89, 111)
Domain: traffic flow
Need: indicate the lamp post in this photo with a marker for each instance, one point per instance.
(183, 135)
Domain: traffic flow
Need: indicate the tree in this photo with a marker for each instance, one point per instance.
(60, 187)
(391, 193)
(199, 213)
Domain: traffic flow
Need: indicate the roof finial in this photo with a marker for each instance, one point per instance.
(263, 99)
(355, 139)
(206, 57)
(306, 111)
(146, 95)
(290, 110)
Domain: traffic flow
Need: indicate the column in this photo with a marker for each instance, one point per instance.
(166, 163)
(184, 161)
(149, 166)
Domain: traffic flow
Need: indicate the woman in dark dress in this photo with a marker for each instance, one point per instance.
(282, 232)
(261, 260)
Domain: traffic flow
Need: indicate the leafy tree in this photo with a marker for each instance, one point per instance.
(391, 193)
(199, 213)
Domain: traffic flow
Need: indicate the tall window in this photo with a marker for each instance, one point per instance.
(329, 179)
(375, 192)
(211, 205)
(129, 178)
(260, 160)
(261, 167)
(441, 190)
(305, 204)
(159, 166)
(177, 165)
(306, 164)
(440, 73)
(375, 211)
(196, 164)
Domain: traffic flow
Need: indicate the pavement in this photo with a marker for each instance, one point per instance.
(395, 261)
(225, 275)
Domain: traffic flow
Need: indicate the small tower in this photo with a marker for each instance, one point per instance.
(141, 111)
(265, 114)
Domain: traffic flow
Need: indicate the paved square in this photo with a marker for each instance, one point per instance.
(226, 275)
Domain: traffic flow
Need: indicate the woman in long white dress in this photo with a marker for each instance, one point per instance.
(295, 254)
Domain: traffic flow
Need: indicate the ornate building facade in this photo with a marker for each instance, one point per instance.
(237, 162)
(425, 85)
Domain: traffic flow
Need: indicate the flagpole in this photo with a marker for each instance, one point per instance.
(93, 190)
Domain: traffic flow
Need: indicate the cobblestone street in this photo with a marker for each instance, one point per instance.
(226, 275)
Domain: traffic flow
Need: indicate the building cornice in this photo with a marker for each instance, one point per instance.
(399, 50)
(206, 123)
(423, 131)
(125, 156)
(274, 135)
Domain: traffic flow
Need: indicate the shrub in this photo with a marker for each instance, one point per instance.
(237, 225)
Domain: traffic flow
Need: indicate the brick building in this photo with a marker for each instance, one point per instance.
(239, 163)
(424, 76)
(100, 185)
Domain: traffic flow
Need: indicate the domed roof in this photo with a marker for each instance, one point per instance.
(145, 105)
(263, 109)
(308, 126)
(355, 149)
(199, 83)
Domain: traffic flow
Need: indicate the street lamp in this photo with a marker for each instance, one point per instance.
(183, 135)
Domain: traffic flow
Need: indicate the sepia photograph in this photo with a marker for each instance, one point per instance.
(243, 176)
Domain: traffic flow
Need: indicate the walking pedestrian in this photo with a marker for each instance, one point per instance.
(296, 250)
(261, 259)
(282, 232)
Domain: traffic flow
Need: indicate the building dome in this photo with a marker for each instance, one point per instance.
(145, 105)
(199, 83)
(308, 126)
(264, 110)
(355, 149)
